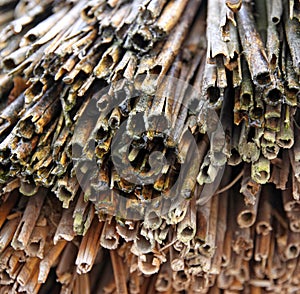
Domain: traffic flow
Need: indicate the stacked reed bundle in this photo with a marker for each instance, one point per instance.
(65, 61)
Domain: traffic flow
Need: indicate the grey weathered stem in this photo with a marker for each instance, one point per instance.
(64, 23)
(253, 46)
(246, 95)
(170, 15)
(66, 189)
(292, 34)
(154, 9)
(38, 116)
(172, 46)
(15, 58)
(235, 157)
(43, 27)
(248, 149)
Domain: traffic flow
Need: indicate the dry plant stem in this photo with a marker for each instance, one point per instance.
(144, 242)
(249, 187)
(175, 40)
(154, 9)
(42, 28)
(49, 260)
(40, 114)
(262, 247)
(246, 214)
(66, 266)
(203, 213)
(109, 237)
(164, 279)
(294, 223)
(7, 206)
(36, 246)
(7, 233)
(292, 89)
(208, 248)
(80, 214)
(128, 230)
(29, 218)
(9, 115)
(260, 170)
(293, 246)
(15, 264)
(60, 26)
(274, 11)
(33, 285)
(28, 270)
(65, 227)
(264, 217)
(246, 94)
(222, 226)
(170, 15)
(89, 247)
(186, 229)
(135, 282)
(275, 266)
(242, 243)
(235, 156)
(149, 263)
(66, 189)
(285, 136)
(216, 45)
(181, 280)
(248, 150)
(119, 272)
(82, 284)
(207, 175)
(281, 171)
(289, 203)
(234, 5)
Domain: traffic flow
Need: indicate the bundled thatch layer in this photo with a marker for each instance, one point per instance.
(65, 61)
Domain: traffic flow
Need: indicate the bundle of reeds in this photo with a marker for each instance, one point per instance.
(149, 146)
